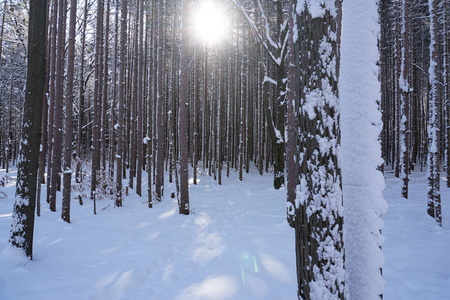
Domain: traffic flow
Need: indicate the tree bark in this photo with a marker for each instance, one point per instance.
(65, 211)
(434, 194)
(319, 219)
(292, 126)
(121, 102)
(23, 212)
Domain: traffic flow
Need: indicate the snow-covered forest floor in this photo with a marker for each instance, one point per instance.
(236, 244)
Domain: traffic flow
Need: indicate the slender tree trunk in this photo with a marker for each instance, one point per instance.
(65, 212)
(405, 143)
(104, 125)
(57, 146)
(121, 102)
(205, 112)
(150, 122)
(184, 101)
(140, 102)
(98, 92)
(9, 133)
(434, 195)
(54, 25)
(113, 121)
(196, 112)
(219, 117)
(78, 176)
(160, 106)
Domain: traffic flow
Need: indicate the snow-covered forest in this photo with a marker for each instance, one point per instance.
(224, 149)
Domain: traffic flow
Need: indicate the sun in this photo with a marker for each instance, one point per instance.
(210, 22)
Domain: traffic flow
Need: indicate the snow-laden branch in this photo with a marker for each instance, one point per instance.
(258, 36)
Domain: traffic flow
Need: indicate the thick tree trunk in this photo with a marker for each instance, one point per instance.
(319, 219)
(292, 126)
(23, 212)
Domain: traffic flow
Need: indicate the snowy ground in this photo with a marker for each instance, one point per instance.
(235, 245)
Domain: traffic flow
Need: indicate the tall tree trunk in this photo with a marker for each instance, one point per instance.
(9, 132)
(134, 101)
(160, 106)
(121, 102)
(319, 220)
(363, 182)
(184, 101)
(205, 112)
(112, 144)
(23, 212)
(433, 174)
(65, 211)
(197, 81)
(291, 126)
(104, 124)
(150, 122)
(405, 143)
(57, 146)
(78, 176)
(98, 92)
(53, 31)
(140, 102)
(447, 83)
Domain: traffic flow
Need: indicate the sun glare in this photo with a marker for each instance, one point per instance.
(210, 22)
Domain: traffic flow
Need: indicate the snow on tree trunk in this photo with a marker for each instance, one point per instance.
(434, 195)
(319, 220)
(447, 85)
(405, 133)
(361, 126)
(23, 212)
